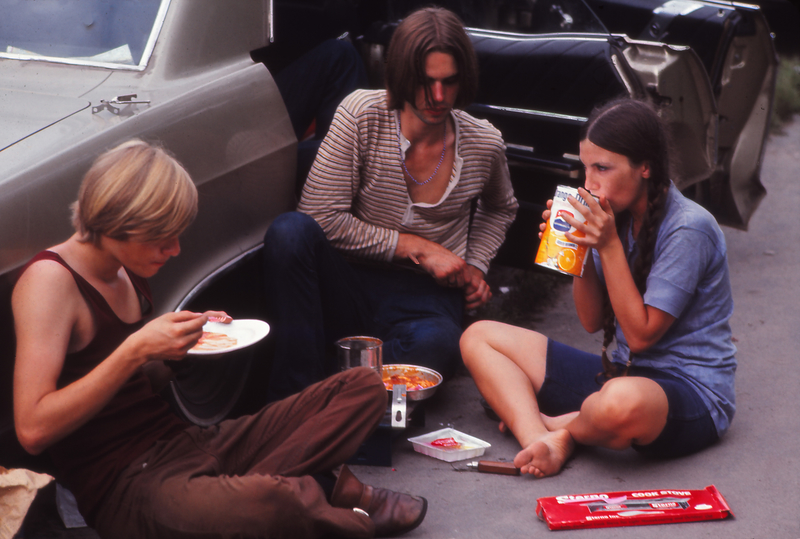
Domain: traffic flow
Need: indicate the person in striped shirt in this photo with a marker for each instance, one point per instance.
(407, 202)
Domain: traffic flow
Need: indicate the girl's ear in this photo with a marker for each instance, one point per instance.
(645, 170)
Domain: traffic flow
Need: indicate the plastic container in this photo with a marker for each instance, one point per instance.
(469, 446)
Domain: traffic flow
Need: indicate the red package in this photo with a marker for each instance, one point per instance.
(632, 508)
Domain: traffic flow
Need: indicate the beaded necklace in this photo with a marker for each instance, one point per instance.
(441, 159)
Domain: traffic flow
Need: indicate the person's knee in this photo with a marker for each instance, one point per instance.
(437, 336)
(341, 56)
(618, 406)
(369, 385)
(340, 49)
(475, 337)
(289, 232)
(428, 342)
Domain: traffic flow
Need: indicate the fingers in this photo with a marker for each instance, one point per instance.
(182, 316)
(218, 316)
(594, 204)
(170, 336)
(454, 275)
(479, 302)
(190, 322)
(545, 217)
(457, 279)
(477, 291)
(599, 226)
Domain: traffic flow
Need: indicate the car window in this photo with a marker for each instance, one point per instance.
(109, 33)
(517, 16)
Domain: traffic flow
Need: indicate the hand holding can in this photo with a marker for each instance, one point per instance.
(555, 250)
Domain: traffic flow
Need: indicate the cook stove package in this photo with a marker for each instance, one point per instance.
(633, 508)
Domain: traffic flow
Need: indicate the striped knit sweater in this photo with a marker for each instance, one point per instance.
(356, 190)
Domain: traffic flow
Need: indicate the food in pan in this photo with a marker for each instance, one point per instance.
(412, 381)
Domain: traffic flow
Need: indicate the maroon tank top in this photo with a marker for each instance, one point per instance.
(90, 459)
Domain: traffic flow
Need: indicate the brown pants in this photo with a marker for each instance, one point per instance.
(249, 477)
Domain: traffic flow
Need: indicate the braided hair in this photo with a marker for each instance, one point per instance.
(634, 129)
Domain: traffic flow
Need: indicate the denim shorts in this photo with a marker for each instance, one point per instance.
(571, 376)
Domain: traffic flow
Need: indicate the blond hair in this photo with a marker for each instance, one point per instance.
(135, 190)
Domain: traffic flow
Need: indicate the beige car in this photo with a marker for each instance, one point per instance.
(80, 76)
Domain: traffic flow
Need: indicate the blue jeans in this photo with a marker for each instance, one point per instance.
(312, 88)
(315, 297)
(313, 85)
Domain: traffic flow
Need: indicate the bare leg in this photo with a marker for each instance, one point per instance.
(626, 410)
(558, 422)
(508, 366)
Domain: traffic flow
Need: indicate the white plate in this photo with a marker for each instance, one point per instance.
(246, 333)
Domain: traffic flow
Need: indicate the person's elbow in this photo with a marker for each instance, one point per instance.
(31, 439)
(640, 344)
(591, 327)
(592, 322)
(642, 338)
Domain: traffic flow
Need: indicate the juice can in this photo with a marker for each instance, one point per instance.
(555, 250)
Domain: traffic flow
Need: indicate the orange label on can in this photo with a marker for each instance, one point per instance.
(555, 250)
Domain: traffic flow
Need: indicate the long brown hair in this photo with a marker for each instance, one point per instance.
(634, 129)
(429, 30)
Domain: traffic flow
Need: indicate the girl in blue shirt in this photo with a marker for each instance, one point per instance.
(657, 281)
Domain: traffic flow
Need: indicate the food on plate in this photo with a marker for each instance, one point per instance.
(413, 382)
(211, 341)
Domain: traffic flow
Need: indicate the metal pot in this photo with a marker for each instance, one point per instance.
(423, 372)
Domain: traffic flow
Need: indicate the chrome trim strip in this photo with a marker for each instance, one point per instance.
(519, 147)
(631, 41)
(510, 36)
(270, 23)
(732, 4)
(622, 74)
(151, 43)
(536, 113)
(67, 61)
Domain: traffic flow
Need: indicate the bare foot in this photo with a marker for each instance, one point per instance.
(558, 422)
(547, 455)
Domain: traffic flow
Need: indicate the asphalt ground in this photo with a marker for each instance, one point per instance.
(755, 466)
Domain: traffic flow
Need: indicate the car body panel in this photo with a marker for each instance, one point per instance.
(737, 49)
(747, 89)
(25, 114)
(674, 77)
(225, 122)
